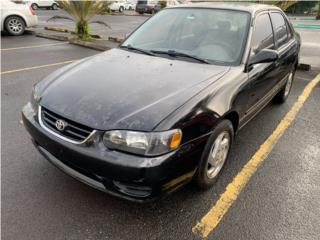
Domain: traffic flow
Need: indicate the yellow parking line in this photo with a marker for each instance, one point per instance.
(210, 221)
(32, 46)
(36, 67)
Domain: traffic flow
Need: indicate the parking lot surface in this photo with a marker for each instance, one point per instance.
(281, 200)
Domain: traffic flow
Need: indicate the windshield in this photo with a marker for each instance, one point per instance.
(215, 35)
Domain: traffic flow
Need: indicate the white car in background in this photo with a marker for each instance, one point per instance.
(48, 4)
(130, 5)
(16, 17)
(117, 5)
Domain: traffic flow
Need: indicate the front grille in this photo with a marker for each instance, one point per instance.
(72, 130)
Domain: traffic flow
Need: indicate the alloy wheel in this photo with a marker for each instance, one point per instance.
(218, 154)
(15, 26)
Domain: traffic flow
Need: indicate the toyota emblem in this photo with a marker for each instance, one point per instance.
(61, 125)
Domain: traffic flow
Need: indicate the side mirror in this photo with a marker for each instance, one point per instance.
(263, 56)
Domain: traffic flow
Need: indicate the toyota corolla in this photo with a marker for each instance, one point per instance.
(195, 74)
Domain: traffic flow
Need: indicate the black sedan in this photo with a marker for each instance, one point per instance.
(163, 108)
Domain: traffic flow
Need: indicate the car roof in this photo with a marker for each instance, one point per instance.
(240, 6)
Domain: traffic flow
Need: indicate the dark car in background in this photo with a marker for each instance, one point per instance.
(146, 6)
(195, 74)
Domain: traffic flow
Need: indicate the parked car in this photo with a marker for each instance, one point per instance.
(16, 17)
(195, 74)
(130, 5)
(169, 3)
(117, 5)
(47, 4)
(146, 6)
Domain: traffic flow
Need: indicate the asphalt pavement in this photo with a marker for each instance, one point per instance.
(40, 202)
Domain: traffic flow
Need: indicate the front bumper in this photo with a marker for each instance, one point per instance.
(128, 176)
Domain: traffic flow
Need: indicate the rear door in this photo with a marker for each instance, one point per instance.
(285, 44)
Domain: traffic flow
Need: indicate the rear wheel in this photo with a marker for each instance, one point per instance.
(214, 155)
(34, 6)
(15, 25)
(121, 9)
(282, 96)
(54, 6)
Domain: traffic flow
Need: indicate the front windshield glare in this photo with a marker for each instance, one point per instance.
(211, 34)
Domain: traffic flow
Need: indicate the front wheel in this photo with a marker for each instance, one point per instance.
(214, 155)
(121, 9)
(282, 96)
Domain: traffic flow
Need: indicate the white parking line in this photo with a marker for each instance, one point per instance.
(36, 67)
(32, 46)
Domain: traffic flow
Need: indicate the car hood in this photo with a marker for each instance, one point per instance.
(119, 89)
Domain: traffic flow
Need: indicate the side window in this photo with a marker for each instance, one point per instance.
(262, 35)
(280, 29)
(290, 33)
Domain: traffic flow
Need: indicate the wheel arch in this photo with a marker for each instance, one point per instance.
(233, 117)
(13, 15)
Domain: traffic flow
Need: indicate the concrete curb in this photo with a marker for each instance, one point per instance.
(64, 30)
(96, 36)
(54, 37)
(74, 40)
(58, 29)
(91, 45)
(65, 38)
(116, 39)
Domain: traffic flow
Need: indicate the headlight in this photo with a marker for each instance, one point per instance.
(143, 143)
(35, 99)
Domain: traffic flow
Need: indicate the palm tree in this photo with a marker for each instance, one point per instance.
(81, 12)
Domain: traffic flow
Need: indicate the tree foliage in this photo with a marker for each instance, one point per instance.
(284, 5)
(81, 12)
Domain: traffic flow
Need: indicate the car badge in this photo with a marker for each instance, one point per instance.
(61, 125)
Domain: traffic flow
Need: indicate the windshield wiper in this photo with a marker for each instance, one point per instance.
(174, 53)
(129, 47)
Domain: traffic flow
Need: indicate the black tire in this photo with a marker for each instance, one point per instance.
(54, 6)
(34, 6)
(282, 96)
(201, 178)
(15, 25)
(121, 9)
(141, 13)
